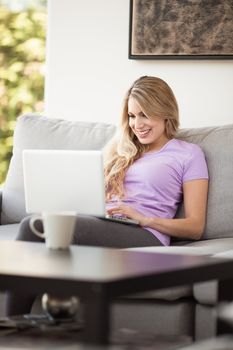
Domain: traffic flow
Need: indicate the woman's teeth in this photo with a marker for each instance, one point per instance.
(143, 132)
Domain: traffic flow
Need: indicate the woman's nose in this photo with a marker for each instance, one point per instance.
(138, 122)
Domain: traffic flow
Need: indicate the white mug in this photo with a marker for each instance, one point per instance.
(58, 228)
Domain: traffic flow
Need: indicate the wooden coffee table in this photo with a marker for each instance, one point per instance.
(98, 275)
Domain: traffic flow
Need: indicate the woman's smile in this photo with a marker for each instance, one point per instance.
(143, 133)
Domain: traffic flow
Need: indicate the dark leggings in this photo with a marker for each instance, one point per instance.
(89, 231)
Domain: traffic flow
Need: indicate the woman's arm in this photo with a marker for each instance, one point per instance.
(191, 226)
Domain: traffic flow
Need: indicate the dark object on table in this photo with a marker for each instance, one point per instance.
(60, 308)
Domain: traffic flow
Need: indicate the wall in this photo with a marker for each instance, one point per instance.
(88, 70)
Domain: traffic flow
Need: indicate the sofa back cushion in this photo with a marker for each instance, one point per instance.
(45, 133)
(217, 144)
(39, 132)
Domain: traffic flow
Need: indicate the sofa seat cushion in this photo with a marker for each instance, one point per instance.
(39, 132)
(160, 318)
(8, 232)
(206, 293)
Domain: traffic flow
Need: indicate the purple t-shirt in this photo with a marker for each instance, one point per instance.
(153, 184)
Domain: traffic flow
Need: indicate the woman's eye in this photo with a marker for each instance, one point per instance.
(131, 116)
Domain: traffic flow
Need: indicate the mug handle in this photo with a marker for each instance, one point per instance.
(32, 227)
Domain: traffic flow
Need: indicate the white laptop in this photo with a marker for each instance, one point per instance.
(65, 180)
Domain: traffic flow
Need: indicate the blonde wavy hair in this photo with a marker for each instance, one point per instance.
(156, 99)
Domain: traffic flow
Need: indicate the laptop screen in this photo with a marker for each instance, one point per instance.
(64, 180)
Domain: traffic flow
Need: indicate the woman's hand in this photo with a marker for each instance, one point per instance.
(129, 212)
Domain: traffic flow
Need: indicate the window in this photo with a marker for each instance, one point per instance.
(22, 61)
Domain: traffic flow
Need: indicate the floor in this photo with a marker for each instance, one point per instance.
(122, 339)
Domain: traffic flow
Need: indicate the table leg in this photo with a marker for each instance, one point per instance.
(96, 321)
(225, 293)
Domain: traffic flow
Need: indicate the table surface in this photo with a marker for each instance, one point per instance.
(103, 266)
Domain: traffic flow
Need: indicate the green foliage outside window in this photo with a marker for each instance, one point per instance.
(22, 56)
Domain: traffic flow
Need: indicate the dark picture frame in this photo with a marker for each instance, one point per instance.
(181, 29)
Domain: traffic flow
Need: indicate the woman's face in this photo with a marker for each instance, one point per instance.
(149, 131)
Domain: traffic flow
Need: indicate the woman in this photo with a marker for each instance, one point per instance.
(148, 173)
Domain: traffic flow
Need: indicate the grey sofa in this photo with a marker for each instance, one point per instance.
(187, 310)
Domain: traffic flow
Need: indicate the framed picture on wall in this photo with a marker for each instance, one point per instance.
(175, 29)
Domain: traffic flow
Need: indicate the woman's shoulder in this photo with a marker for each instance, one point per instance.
(192, 158)
(187, 147)
(185, 151)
